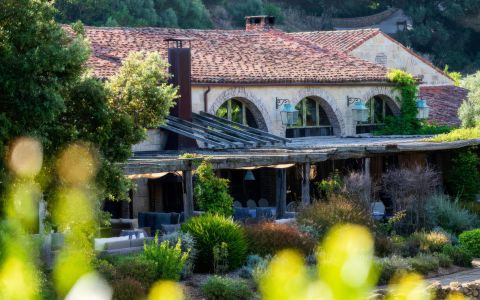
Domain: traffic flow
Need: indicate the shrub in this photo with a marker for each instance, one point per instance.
(321, 216)
(459, 256)
(213, 230)
(435, 240)
(447, 214)
(391, 266)
(463, 177)
(211, 192)
(383, 245)
(443, 260)
(187, 246)
(456, 135)
(136, 267)
(223, 288)
(255, 267)
(168, 260)
(269, 238)
(106, 269)
(470, 241)
(424, 263)
(128, 289)
(410, 246)
(409, 190)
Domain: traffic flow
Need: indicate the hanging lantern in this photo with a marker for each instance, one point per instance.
(289, 114)
(423, 109)
(249, 176)
(360, 111)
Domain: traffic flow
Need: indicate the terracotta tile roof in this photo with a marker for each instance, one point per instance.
(444, 102)
(343, 40)
(349, 40)
(235, 56)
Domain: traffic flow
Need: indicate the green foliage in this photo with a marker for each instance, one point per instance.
(168, 260)
(469, 112)
(210, 231)
(211, 192)
(456, 76)
(444, 260)
(238, 10)
(220, 258)
(321, 216)
(187, 246)
(331, 185)
(470, 241)
(463, 177)
(224, 288)
(406, 122)
(128, 289)
(141, 89)
(133, 13)
(135, 267)
(447, 214)
(387, 227)
(456, 135)
(392, 265)
(424, 263)
(270, 238)
(459, 255)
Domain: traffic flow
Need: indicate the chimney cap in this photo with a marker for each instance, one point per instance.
(262, 22)
(178, 41)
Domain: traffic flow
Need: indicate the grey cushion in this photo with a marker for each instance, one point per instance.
(137, 242)
(117, 245)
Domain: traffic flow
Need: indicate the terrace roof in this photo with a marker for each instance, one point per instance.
(302, 150)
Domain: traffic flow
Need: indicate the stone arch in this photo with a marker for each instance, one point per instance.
(328, 104)
(387, 94)
(254, 104)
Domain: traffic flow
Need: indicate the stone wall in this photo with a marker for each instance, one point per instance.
(261, 100)
(383, 50)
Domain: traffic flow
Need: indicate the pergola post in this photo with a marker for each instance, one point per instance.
(281, 192)
(306, 184)
(187, 194)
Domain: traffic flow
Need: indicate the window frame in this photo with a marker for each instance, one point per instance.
(303, 115)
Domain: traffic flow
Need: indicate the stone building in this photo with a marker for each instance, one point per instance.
(245, 76)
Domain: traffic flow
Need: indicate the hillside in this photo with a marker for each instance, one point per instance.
(448, 32)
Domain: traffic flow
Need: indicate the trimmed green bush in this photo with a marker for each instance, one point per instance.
(459, 256)
(210, 231)
(168, 260)
(224, 288)
(443, 260)
(470, 241)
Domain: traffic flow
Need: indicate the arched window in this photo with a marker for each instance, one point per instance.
(237, 111)
(378, 109)
(312, 120)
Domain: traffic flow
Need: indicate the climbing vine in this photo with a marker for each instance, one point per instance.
(407, 122)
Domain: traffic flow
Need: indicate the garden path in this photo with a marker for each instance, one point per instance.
(462, 277)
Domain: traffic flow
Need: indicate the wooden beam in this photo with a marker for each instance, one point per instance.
(281, 192)
(306, 184)
(187, 194)
(193, 136)
(231, 130)
(247, 128)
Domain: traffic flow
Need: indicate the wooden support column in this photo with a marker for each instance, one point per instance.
(306, 184)
(281, 192)
(187, 194)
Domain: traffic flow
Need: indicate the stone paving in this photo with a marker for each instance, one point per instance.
(462, 277)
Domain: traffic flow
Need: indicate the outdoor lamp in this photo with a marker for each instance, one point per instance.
(359, 110)
(249, 176)
(423, 109)
(289, 114)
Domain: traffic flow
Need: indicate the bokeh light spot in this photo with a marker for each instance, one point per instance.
(76, 164)
(25, 157)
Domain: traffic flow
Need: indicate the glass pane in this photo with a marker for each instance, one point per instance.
(237, 111)
(311, 112)
(388, 110)
(250, 119)
(378, 110)
(299, 107)
(222, 111)
(323, 118)
(370, 114)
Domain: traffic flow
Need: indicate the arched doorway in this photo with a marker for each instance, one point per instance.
(379, 108)
(241, 111)
(315, 118)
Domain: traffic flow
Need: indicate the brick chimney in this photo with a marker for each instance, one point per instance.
(259, 23)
